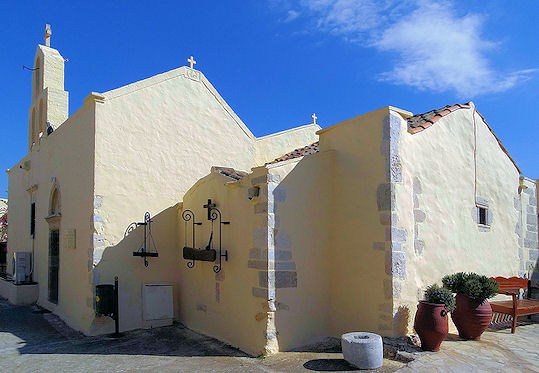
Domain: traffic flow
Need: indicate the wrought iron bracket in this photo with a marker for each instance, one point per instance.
(188, 252)
(215, 214)
(208, 254)
(143, 252)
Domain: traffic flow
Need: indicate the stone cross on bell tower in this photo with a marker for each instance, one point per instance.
(48, 33)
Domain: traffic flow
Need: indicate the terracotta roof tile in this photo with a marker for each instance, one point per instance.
(230, 172)
(419, 122)
(296, 153)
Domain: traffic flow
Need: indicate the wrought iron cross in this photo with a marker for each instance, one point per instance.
(209, 206)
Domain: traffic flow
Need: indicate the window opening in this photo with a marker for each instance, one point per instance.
(32, 219)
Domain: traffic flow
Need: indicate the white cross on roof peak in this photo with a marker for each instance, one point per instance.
(191, 61)
(314, 118)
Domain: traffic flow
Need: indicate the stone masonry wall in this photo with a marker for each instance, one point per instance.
(271, 255)
(395, 244)
(527, 231)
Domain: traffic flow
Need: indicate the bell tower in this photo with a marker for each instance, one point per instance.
(49, 99)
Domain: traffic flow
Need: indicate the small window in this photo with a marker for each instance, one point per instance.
(483, 213)
(32, 219)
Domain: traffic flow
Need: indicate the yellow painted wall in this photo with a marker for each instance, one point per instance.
(275, 145)
(302, 203)
(442, 158)
(119, 261)
(49, 99)
(360, 292)
(149, 145)
(231, 313)
(154, 140)
(64, 157)
(127, 151)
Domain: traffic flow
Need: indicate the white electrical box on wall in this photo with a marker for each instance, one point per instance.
(157, 305)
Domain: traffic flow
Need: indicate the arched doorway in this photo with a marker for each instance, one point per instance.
(54, 220)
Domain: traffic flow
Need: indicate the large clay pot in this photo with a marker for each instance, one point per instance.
(471, 316)
(431, 325)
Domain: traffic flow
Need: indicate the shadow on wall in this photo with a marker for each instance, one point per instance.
(401, 320)
(118, 260)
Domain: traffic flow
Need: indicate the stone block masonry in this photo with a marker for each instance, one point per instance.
(271, 254)
(396, 237)
(526, 230)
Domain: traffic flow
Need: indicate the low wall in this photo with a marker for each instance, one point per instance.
(19, 295)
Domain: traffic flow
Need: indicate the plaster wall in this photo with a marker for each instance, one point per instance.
(154, 140)
(446, 169)
(222, 304)
(301, 201)
(275, 145)
(118, 260)
(65, 159)
(127, 151)
(48, 94)
(360, 288)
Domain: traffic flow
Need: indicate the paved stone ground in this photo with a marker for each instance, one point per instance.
(32, 341)
(40, 342)
(497, 351)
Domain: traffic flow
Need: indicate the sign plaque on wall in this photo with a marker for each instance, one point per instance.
(70, 239)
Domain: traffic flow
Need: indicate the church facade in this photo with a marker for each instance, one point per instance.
(267, 243)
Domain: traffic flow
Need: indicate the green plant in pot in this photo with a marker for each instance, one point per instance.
(473, 313)
(431, 322)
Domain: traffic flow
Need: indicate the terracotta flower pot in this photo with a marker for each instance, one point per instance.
(431, 325)
(471, 316)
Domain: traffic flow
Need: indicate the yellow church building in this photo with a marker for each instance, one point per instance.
(265, 243)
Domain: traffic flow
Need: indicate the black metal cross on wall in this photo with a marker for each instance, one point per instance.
(209, 206)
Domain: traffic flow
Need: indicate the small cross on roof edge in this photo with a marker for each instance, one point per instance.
(191, 61)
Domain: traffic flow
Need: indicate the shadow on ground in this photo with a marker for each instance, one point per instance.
(328, 365)
(43, 333)
(32, 340)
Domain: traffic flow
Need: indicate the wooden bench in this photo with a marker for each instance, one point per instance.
(515, 307)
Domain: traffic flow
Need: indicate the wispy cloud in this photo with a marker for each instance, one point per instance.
(435, 47)
(291, 15)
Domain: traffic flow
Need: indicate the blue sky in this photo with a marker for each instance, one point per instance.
(278, 61)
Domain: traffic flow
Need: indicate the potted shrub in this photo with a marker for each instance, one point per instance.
(431, 323)
(473, 313)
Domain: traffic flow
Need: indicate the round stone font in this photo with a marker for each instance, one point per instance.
(363, 350)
